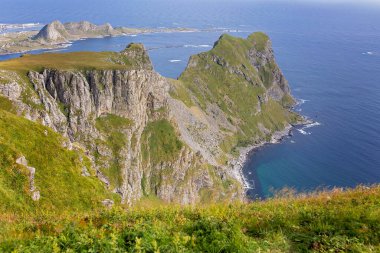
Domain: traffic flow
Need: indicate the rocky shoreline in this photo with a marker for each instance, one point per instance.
(239, 163)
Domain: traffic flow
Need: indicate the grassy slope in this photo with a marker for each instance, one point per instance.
(67, 61)
(326, 222)
(113, 127)
(211, 82)
(160, 142)
(58, 170)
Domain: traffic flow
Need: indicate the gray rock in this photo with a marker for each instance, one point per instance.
(85, 172)
(108, 203)
(36, 195)
(32, 171)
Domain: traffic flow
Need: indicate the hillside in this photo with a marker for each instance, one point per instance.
(56, 169)
(147, 136)
(324, 222)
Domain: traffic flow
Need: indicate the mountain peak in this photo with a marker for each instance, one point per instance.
(53, 32)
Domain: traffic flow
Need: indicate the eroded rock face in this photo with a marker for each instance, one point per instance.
(264, 61)
(75, 100)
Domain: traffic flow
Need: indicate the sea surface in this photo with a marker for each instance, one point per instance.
(329, 52)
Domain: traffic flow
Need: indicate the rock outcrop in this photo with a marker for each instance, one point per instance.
(35, 194)
(54, 32)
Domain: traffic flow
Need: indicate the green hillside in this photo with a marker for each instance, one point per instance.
(325, 222)
(57, 170)
(227, 77)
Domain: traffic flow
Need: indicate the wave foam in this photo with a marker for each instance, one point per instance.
(302, 101)
(174, 60)
(313, 124)
(303, 131)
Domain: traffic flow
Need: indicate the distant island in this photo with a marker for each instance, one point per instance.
(58, 35)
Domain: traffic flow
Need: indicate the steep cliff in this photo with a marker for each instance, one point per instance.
(147, 135)
(232, 96)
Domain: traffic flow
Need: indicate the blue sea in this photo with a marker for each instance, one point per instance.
(328, 50)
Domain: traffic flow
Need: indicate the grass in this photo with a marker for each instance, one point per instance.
(58, 170)
(260, 40)
(333, 221)
(160, 142)
(7, 105)
(159, 145)
(180, 92)
(114, 127)
(67, 61)
(225, 76)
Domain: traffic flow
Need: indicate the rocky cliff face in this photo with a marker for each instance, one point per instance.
(150, 136)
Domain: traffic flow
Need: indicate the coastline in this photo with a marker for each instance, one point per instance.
(245, 152)
(60, 45)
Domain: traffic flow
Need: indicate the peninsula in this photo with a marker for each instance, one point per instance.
(57, 35)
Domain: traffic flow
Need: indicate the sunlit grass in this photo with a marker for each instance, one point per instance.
(67, 61)
(327, 221)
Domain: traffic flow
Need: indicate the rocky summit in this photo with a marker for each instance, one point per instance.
(56, 32)
(133, 132)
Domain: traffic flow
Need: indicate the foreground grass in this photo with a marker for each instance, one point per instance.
(325, 222)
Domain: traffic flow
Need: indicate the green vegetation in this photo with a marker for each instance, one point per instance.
(260, 40)
(325, 222)
(137, 55)
(180, 92)
(160, 142)
(67, 61)
(58, 170)
(226, 76)
(114, 127)
(112, 122)
(7, 105)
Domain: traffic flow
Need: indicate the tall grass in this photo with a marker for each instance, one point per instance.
(335, 221)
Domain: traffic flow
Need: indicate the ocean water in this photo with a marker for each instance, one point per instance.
(329, 52)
